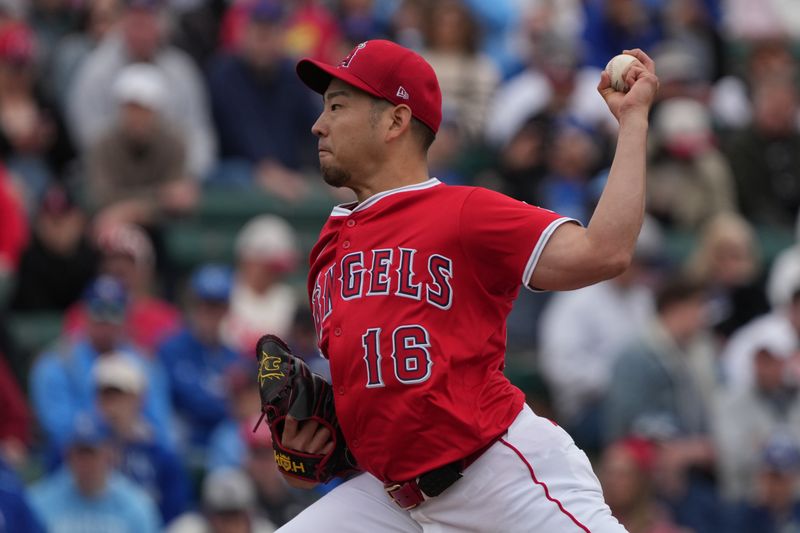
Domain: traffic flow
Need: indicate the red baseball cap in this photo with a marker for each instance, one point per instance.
(17, 43)
(385, 70)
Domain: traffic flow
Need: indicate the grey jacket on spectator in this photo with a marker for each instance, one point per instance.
(91, 107)
(655, 382)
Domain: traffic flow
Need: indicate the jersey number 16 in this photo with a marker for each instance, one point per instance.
(412, 360)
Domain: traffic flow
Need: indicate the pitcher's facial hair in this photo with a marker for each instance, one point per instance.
(335, 176)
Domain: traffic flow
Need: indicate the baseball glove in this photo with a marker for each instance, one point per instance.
(288, 387)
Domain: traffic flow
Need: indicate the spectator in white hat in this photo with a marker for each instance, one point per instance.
(746, 417)
(141, 36)
(137, 168)
(689, 180)
(737, 357)
(144, 458)
(262, 301)
(229, 501)
(62, 379)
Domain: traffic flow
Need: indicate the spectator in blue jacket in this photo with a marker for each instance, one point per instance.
(15, 513)
(262, 111)
(150, 464)
(196, 359)
(614, 25)
(227, 445)
(61, 383)
(86, 495)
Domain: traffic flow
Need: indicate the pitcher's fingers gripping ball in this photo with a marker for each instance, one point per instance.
(289, 388)
(618, 68)
(629, 82)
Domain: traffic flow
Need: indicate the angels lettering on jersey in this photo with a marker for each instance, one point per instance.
(383, 273)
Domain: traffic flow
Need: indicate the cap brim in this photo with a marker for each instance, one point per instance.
(317, 76)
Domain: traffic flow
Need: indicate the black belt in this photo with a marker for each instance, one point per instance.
(411, 493)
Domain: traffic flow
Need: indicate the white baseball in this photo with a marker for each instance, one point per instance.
(617, 68)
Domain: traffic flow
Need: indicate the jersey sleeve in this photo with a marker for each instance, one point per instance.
(504, 238)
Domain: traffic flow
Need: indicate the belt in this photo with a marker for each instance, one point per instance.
(410, 494)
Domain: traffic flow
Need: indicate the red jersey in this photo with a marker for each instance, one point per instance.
(410, 291)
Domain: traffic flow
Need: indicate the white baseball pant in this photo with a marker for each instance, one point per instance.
(533, 480)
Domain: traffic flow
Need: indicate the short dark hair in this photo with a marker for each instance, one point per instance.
(423, 133)
(677, 290)
(425, 136)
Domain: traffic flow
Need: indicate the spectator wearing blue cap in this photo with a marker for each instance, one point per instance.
(262, 111)
(87, 494)
(775, 507)
(61, 382)
(197, 360)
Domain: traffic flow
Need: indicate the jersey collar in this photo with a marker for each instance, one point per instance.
(343, 210)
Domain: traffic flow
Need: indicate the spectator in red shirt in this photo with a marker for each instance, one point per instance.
(14, 418)
(127, 254)
(13, 225)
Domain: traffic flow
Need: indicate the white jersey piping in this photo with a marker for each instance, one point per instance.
(537, 250)
(342, 211)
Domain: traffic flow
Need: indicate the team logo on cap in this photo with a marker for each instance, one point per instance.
(402, 93)
(346, 61)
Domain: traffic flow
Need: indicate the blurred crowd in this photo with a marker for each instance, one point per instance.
(119, 119)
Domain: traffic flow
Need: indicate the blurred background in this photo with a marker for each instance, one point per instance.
(159, 195)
